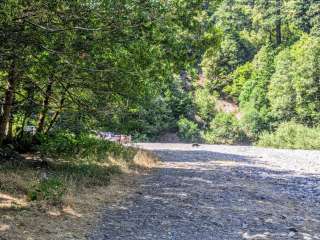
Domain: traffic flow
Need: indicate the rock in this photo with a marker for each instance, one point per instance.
(292, 229)
(291, 234)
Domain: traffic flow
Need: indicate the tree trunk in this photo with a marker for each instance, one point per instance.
(8, 101)
(45, 106)
(278, 23)
(10, 128)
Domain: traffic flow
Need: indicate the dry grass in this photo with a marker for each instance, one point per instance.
(80, 207)
(145, 159)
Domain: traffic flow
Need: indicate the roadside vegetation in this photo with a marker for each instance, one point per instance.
(63, 184)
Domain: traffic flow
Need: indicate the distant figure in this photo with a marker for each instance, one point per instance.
(195, 145)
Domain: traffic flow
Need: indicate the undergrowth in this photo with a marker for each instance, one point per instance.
(292, 135)
(65, 162)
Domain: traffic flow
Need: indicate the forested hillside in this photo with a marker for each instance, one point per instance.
(148, 68)
(267, 62)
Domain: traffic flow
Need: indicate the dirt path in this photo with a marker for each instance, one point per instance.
(221, 193)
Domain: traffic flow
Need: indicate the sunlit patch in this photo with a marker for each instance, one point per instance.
(190, 166)
(307, 236)
(247, 235)
(145, 159)
(72, 212)
(197, 179)
(7, 201)
(4, 227)
(182, 195)
(226, 163)
(54, 213)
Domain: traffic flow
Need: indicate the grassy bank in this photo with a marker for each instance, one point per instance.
(57, 192)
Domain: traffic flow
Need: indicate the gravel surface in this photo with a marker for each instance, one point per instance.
(221, 193)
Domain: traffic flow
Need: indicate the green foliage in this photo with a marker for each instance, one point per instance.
(178, 97)
(188, 130)
(51, 190)
(255, 89)
(254, 121)
(224, 129)
(281, 90)
(113, 68)
(292, 135)
(239, 78)
(82, 147)
(294, 91)
(217, 63)
(314, 18)
(205, 104)
(254, 102)
(233, 16)
(130, 67)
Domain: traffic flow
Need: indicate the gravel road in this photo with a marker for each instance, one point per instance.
(221, 193)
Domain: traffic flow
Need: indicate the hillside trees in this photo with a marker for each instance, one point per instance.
(269, 67)
(81, 65)
(294, 89)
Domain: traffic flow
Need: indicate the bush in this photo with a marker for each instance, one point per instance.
(239, 77)
(254, 122)
(205, 104)
(224, 129)
(293, 136)
(51, 190)
(82, 147)
(188, 130)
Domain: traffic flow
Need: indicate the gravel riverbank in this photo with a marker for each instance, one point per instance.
(221, 193)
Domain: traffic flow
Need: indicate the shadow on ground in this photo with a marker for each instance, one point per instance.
(211, 195)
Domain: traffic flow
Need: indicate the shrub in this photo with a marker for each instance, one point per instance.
(224, 129)
(254, 122)
(239, 77)
(51, 190)
(205, 104)
(293, 136)
(140, 137)
(188, 130)
(82, 147)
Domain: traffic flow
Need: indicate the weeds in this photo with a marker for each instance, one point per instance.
(67, 163)
(51, 190)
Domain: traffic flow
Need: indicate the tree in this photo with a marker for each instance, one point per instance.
(218, 63)
(96, 63)
(281, 93)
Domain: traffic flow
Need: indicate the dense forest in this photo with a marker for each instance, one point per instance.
(227, 71)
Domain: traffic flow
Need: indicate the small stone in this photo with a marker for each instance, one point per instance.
(291, 234)
(292, 229)
(244, 226)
